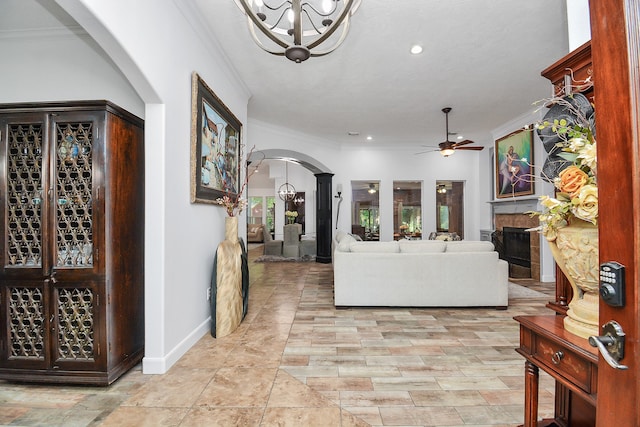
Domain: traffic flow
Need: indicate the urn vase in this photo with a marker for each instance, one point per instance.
(575, 250)
(230, 275)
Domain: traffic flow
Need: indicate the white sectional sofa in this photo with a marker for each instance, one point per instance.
(418, 273)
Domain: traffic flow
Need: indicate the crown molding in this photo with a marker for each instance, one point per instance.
(38, 33)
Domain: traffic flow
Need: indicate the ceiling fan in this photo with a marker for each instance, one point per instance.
(447, 147)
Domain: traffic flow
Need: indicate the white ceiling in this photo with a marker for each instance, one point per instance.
(481, 57)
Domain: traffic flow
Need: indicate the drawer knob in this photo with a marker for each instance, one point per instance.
(557, 357)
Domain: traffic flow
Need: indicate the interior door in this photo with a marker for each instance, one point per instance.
(615, 48)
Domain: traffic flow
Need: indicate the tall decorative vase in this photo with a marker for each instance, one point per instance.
(575, 250)
(227, 282)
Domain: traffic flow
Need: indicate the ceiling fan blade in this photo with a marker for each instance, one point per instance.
(428, 151)
(465, 142)
(470, 148)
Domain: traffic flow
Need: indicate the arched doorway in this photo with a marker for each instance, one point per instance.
(324, 199)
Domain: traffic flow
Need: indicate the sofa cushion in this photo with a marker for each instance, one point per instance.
(422, 246)
(345, 242)
(469, 246)
(340, 235)
(374, 247)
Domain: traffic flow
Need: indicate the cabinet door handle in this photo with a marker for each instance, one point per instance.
(557, 357)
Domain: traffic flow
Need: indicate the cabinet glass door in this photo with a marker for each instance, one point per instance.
(26, 330)
(24, 184)
(73, 190)
(75, 316)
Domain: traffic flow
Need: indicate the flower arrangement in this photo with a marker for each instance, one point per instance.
(291, 216)
(576, 182)
(233, 202)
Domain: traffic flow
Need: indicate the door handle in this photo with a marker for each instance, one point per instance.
(611, 344)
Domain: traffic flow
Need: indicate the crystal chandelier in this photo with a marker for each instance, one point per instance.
(294, 27)
(287, 192)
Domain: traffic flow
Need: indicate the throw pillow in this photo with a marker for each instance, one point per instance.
(422, 246)
(469, 246)
(374, 247)
(345, 242)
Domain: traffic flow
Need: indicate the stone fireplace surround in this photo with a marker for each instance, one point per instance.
(512, 213)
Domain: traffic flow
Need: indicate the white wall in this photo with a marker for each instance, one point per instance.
(384, 165)
(578, 23)
(76, 69)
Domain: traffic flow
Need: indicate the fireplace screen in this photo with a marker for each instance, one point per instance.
(517, 247)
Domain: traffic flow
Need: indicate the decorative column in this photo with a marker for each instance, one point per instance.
(324, 215)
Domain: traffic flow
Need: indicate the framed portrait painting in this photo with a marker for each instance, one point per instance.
(215, 145)
(514, 169)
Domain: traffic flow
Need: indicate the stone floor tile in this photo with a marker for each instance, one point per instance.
(247, 387)
(422, 416)
(222, 417)
(297, 360)
(144, 417)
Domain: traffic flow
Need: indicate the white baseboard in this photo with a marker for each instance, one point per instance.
(160, 365)
(548, 278)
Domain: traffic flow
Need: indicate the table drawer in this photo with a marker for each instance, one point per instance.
(565, 363)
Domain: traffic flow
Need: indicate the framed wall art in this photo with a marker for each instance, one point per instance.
(215, 145)
(514, 170)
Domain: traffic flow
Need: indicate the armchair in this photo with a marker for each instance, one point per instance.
(291, 246)
(271, 247)
(255, 233)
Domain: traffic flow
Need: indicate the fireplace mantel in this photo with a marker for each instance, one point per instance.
(514, 206)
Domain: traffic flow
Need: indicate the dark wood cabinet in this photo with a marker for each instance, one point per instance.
(570, 360)
(72, 234)
(573, 73)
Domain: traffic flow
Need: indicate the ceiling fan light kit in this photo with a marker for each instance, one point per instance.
(293, 28)
(447, 147)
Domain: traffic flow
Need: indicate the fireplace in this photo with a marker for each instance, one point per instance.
(520, 222)
(517, 246)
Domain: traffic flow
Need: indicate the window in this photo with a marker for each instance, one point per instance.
(365, 209)
(271, 214)
(450, 207)
(407, 210)
(255, 210)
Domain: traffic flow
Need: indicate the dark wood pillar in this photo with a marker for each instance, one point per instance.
(324, 215)
(531, 379)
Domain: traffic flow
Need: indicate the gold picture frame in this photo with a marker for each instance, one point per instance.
(215, 145)
(514, 170)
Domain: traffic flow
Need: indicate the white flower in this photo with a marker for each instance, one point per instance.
(588, 156)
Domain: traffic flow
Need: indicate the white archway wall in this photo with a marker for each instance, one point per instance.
(181, 237)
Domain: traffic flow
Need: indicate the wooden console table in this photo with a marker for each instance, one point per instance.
(570, 360)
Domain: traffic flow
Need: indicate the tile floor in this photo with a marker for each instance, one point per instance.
(297, 361)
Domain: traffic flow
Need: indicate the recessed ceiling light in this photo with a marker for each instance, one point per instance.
(369, 138)
(416, 49)
(460, 136)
